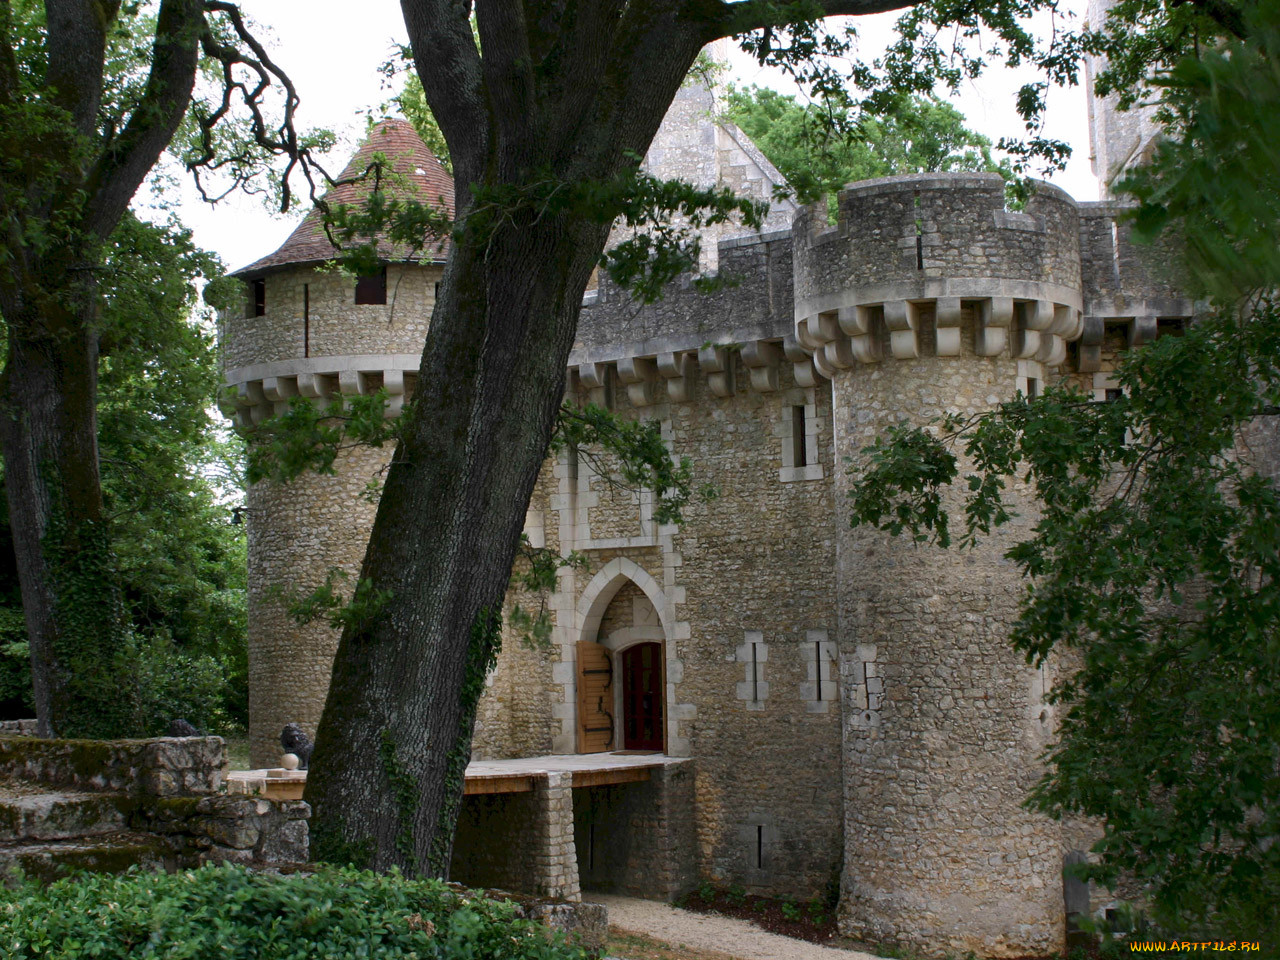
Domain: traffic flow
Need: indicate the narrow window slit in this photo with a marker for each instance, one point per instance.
(799, 448)
(306, 319)
(759, 846)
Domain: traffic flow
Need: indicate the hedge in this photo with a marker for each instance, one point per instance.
(230, 913)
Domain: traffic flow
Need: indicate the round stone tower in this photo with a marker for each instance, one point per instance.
(307, 331)
(929, 297)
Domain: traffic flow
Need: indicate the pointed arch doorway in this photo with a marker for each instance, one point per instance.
(622, 671)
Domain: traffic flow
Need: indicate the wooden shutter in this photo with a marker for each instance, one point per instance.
(595, 698)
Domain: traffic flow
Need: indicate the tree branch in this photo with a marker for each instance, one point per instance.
(8, 60)
(728, 19)
(77, 32)
(127, 160)
(445, 56)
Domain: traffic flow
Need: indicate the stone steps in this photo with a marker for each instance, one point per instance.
(62, 816)
(50, 860)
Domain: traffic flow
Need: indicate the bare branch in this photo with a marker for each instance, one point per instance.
(127, 159)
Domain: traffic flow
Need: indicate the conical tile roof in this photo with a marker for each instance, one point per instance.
(409, 157)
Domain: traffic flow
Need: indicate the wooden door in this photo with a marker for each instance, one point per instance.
(595, 698)
(642, 697)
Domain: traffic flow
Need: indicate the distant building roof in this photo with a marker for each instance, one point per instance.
(410, 158)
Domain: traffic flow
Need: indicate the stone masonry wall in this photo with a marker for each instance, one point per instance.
(755, 561)
(638, 838)
(298, 531)
(943, 720)
(338, 326)
(925, 226)
(519, 841)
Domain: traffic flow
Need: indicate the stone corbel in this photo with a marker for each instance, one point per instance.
(1091, 344)
(316, 387)
(902, 317)
(995, 316)
(802, 367)
(1068, 322)
(1142, 330)
(352, 383)
(278, 391)
(717, 362)
(677, 370)
(946, 322)
(639, 375)
(1035, 318)
(595, 376)
(393, 383)
(839, 354)
(858, 324)
(761, 359)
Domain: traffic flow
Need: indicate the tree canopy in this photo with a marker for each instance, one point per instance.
(807, 145)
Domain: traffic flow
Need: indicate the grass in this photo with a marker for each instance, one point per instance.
(636, 946)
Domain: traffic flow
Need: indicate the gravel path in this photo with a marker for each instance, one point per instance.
(701, 931)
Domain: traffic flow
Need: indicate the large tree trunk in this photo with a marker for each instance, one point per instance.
(48, 426)
(396, 730)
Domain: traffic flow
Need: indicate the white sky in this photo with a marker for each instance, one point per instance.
(332, 57)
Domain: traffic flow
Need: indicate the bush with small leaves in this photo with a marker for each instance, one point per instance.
(234, 914)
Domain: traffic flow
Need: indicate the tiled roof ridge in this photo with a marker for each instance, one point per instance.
(410, 157)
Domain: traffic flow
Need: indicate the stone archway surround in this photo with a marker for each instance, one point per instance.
(581, 621)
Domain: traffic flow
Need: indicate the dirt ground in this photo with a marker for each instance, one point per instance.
(657, 927)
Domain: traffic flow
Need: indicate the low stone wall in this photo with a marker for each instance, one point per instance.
(163, 767)
(18, 728)
(586, 924)
(225, 828)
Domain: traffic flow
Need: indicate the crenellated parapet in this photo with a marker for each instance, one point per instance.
(909, 256)
(1126, 284)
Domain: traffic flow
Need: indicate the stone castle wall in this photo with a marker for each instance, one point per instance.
(852, 701)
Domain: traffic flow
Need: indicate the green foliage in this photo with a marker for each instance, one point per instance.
(404, 790)
(324, 602)
(167, 473)
(309, 438)
(640, 458)
(819, 150)
(535, 573)
(228, 911)
(1214, 181)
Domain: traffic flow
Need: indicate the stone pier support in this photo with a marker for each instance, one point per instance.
(555, 861)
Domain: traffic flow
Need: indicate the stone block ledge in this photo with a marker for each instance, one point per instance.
(161, 767)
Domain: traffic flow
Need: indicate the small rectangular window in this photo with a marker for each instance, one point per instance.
(799, 446)
(1033, 388)
(1113, 394)
(372, 289)
(259, 304)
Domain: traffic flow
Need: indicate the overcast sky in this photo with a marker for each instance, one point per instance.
(332, 49)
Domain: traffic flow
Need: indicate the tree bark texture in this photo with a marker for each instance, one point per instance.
(66, 178)
(571, 90)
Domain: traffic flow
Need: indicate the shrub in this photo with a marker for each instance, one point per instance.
(231, 913)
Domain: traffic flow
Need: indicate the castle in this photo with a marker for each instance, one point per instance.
(791, 704)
